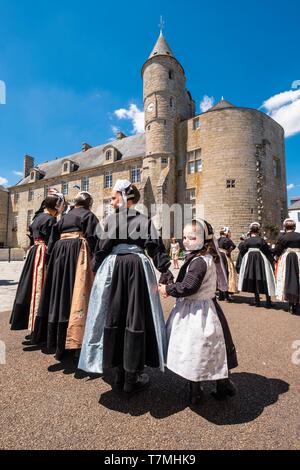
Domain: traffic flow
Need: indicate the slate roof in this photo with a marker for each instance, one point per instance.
(128, 147)
(295, 205)
(161, 48)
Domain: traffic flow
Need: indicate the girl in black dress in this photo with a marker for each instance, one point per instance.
(62, 312)
(287, 251)
(226, 247)
(32, 278)
(257, 272)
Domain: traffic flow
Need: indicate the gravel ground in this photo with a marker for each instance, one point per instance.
(50, 405)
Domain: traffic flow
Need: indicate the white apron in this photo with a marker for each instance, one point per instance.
(196, 344)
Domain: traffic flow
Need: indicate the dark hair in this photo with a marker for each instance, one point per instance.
(50, 202)
(133, 194)
(290, 225)
(209, 248)
(83, 199)
(255, 229)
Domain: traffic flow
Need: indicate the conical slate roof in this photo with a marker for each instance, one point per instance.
(161, 47)
(222, 104)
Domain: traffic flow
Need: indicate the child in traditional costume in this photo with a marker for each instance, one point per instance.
(200, 346)
(287, 250)
(62, 312)
(226, 246)
(125, 327)
(256, 271)
(33, 274)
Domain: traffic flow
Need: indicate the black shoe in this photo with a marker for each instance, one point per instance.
(135, 382)
(294, 309)
(224, 388)
(119, 379)
(269, 304)
(221, 296)
(195, 393)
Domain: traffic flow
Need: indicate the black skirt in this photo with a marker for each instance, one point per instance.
(129, 334)
(255, 279)
(51, 323)
(21, 309)
(291, 285)
(232, 361)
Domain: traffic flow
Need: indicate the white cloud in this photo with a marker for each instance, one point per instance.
(3, 181)
(285, 109)
(115, 129)
(290, 186)
(17, 173)
(206, 103)
(134, 114)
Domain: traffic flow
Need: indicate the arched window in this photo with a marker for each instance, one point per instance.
(108, 155)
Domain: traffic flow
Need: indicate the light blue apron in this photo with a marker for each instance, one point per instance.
(91, 357)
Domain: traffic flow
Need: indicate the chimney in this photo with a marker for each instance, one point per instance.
(28, 164)
(85, 147)
(120, 135)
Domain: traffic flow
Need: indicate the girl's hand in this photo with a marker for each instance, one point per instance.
(162, 290)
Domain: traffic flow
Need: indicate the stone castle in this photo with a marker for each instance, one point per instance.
(229, 159)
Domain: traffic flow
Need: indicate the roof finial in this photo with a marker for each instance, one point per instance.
(161, 24)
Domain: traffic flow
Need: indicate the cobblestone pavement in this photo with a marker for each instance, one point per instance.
(49, 405)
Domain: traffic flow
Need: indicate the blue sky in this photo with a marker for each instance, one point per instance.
(69, 66)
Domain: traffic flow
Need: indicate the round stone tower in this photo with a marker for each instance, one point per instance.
(166, 102)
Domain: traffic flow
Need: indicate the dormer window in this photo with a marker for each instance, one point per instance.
(36, 174)
(111, 154)
(68, 166)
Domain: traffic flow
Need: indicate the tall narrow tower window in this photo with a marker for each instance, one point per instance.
(196, 123)
(172, 102)
(171, 74)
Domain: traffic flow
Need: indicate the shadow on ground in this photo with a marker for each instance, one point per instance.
(8, 282)
(168, 395)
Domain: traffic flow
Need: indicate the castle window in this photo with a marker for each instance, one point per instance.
(171, 74)
(230, 183)
(65, 168)
(276, 168)
(107, 208)
(32, 175)
(16, 197)
(196, 123)
(164, 160)
(30, 195)
(85, 183)
(190, 195)
(29, 217)
(108, 179)
(135, 174)
(15, 222)
(108, 155)
(171, 102)
(194, 161)
(298, 216)
(64, 187)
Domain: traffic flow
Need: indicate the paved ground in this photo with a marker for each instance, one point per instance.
(45, 404)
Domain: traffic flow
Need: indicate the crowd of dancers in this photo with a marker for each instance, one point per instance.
(92, 289)
(261, 268)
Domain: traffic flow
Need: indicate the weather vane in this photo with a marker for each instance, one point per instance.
(161, 24)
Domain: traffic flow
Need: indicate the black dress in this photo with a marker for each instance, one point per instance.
(54, 310)
(227, 245)
(255, 278)
(239, 258)
(40, 229)
(291, 282)
(129, 334)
